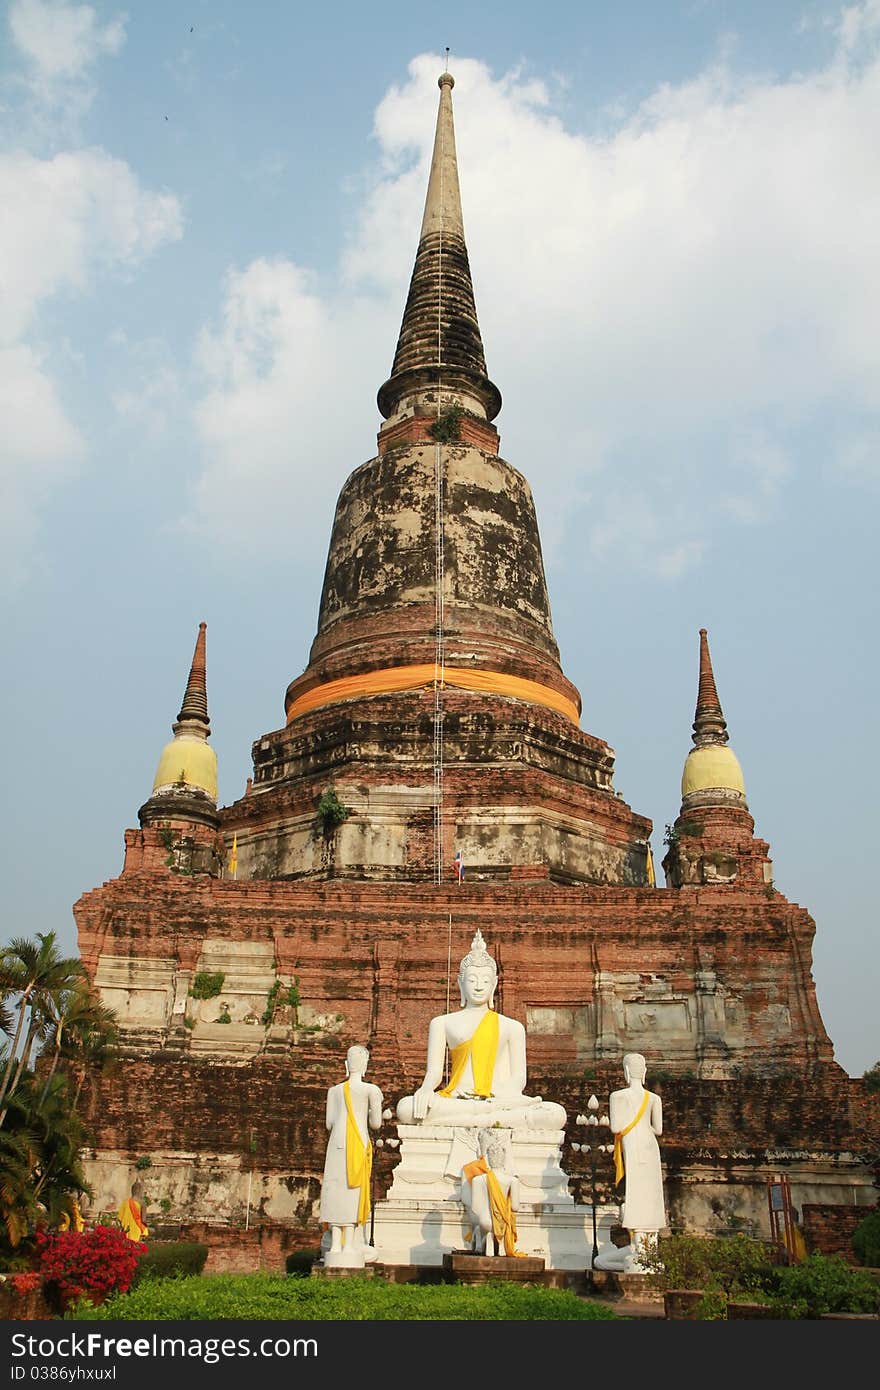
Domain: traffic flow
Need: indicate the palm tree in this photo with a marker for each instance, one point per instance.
(19, 1156)
(33, 973)
(80, 1028)
(58, 1174)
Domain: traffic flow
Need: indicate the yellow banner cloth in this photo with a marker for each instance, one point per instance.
(73, 1217)
(394, 678)
(618, 1146)
(503, 1214)
(649, 867)
(482, 1047)
(130, 1216)
(358, 1158)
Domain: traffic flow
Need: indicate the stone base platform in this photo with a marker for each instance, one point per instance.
(635, 1288)
(576, 1280)
(422, 1218)
(464, 1268)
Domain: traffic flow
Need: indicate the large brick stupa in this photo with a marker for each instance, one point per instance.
(246, 947)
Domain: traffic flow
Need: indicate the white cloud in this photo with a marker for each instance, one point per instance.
(690, 290)
(858, 459)
(67, 217)
(67, 220)
(40, 447)
(62, 40)
(287, 395)
(762, 468)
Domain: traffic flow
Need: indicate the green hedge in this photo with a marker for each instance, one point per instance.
(301, 1261)
(742, 1269)
(866, 1240)
(825, 1284)
(171, 1259)
(264, 1297)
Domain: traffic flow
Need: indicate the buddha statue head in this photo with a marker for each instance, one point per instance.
(477, 974)
(357, 1060)
(634, 1067)
(494, 1146)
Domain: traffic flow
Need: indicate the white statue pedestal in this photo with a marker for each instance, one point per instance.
(344, 1259)
(423, 1219)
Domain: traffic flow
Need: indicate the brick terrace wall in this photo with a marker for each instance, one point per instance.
(830, 1228)
(262, 1248)
(551, 944)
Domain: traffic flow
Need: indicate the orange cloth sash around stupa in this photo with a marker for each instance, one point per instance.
(415, 677)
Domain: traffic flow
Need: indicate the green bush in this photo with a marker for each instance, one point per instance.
(866, 1240)
(737, 1267)
(871, 1077)
(264, 1297)
(825, 1284)
(731, 1265)
(171, 1259)
(301, 1261)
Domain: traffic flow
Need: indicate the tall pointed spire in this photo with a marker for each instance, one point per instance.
(712, 840)
(439, 353)
(185, 785)
(710, 725)
(194, 709)
(711, 769)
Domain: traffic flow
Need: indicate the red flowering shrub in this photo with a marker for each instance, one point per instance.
(25, 1283)
(89, 1263)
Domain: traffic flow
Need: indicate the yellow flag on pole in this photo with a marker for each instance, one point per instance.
(649, 865)
(233, 856)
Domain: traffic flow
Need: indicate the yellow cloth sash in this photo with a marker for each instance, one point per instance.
(501, 1207)
(71, 1217)
(358, 1158)
(130, 1216)
(482, 1046)
(394, 678)
(618, 1145)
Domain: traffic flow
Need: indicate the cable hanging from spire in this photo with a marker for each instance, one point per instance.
(439, 557)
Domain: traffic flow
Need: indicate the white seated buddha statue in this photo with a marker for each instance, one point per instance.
(487, 1054)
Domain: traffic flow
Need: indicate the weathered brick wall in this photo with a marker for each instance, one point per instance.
(263, 1247)
(830, 1228)
(269, 1115)
(554, 947)
(375, 955)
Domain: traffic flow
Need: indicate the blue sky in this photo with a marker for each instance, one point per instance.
(673, 214)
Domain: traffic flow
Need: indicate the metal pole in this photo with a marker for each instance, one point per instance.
(593, 1198)
(372, 1202)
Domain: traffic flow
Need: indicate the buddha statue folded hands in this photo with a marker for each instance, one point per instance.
(487, 1059)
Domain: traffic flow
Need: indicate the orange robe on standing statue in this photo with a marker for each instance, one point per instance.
(131, 1216)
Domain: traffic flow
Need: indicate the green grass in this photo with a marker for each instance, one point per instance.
(262, 1297)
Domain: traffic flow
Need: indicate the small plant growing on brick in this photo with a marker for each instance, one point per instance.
(446, 429)
(206, 985)
(331, 811)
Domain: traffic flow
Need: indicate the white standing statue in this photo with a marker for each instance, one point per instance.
(487, 1053)
(636, 1116)
(354, 1107)
(490, 1194)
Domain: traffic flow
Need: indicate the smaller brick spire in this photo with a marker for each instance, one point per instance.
(194, 710)
(710, 725)
(185, 785)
